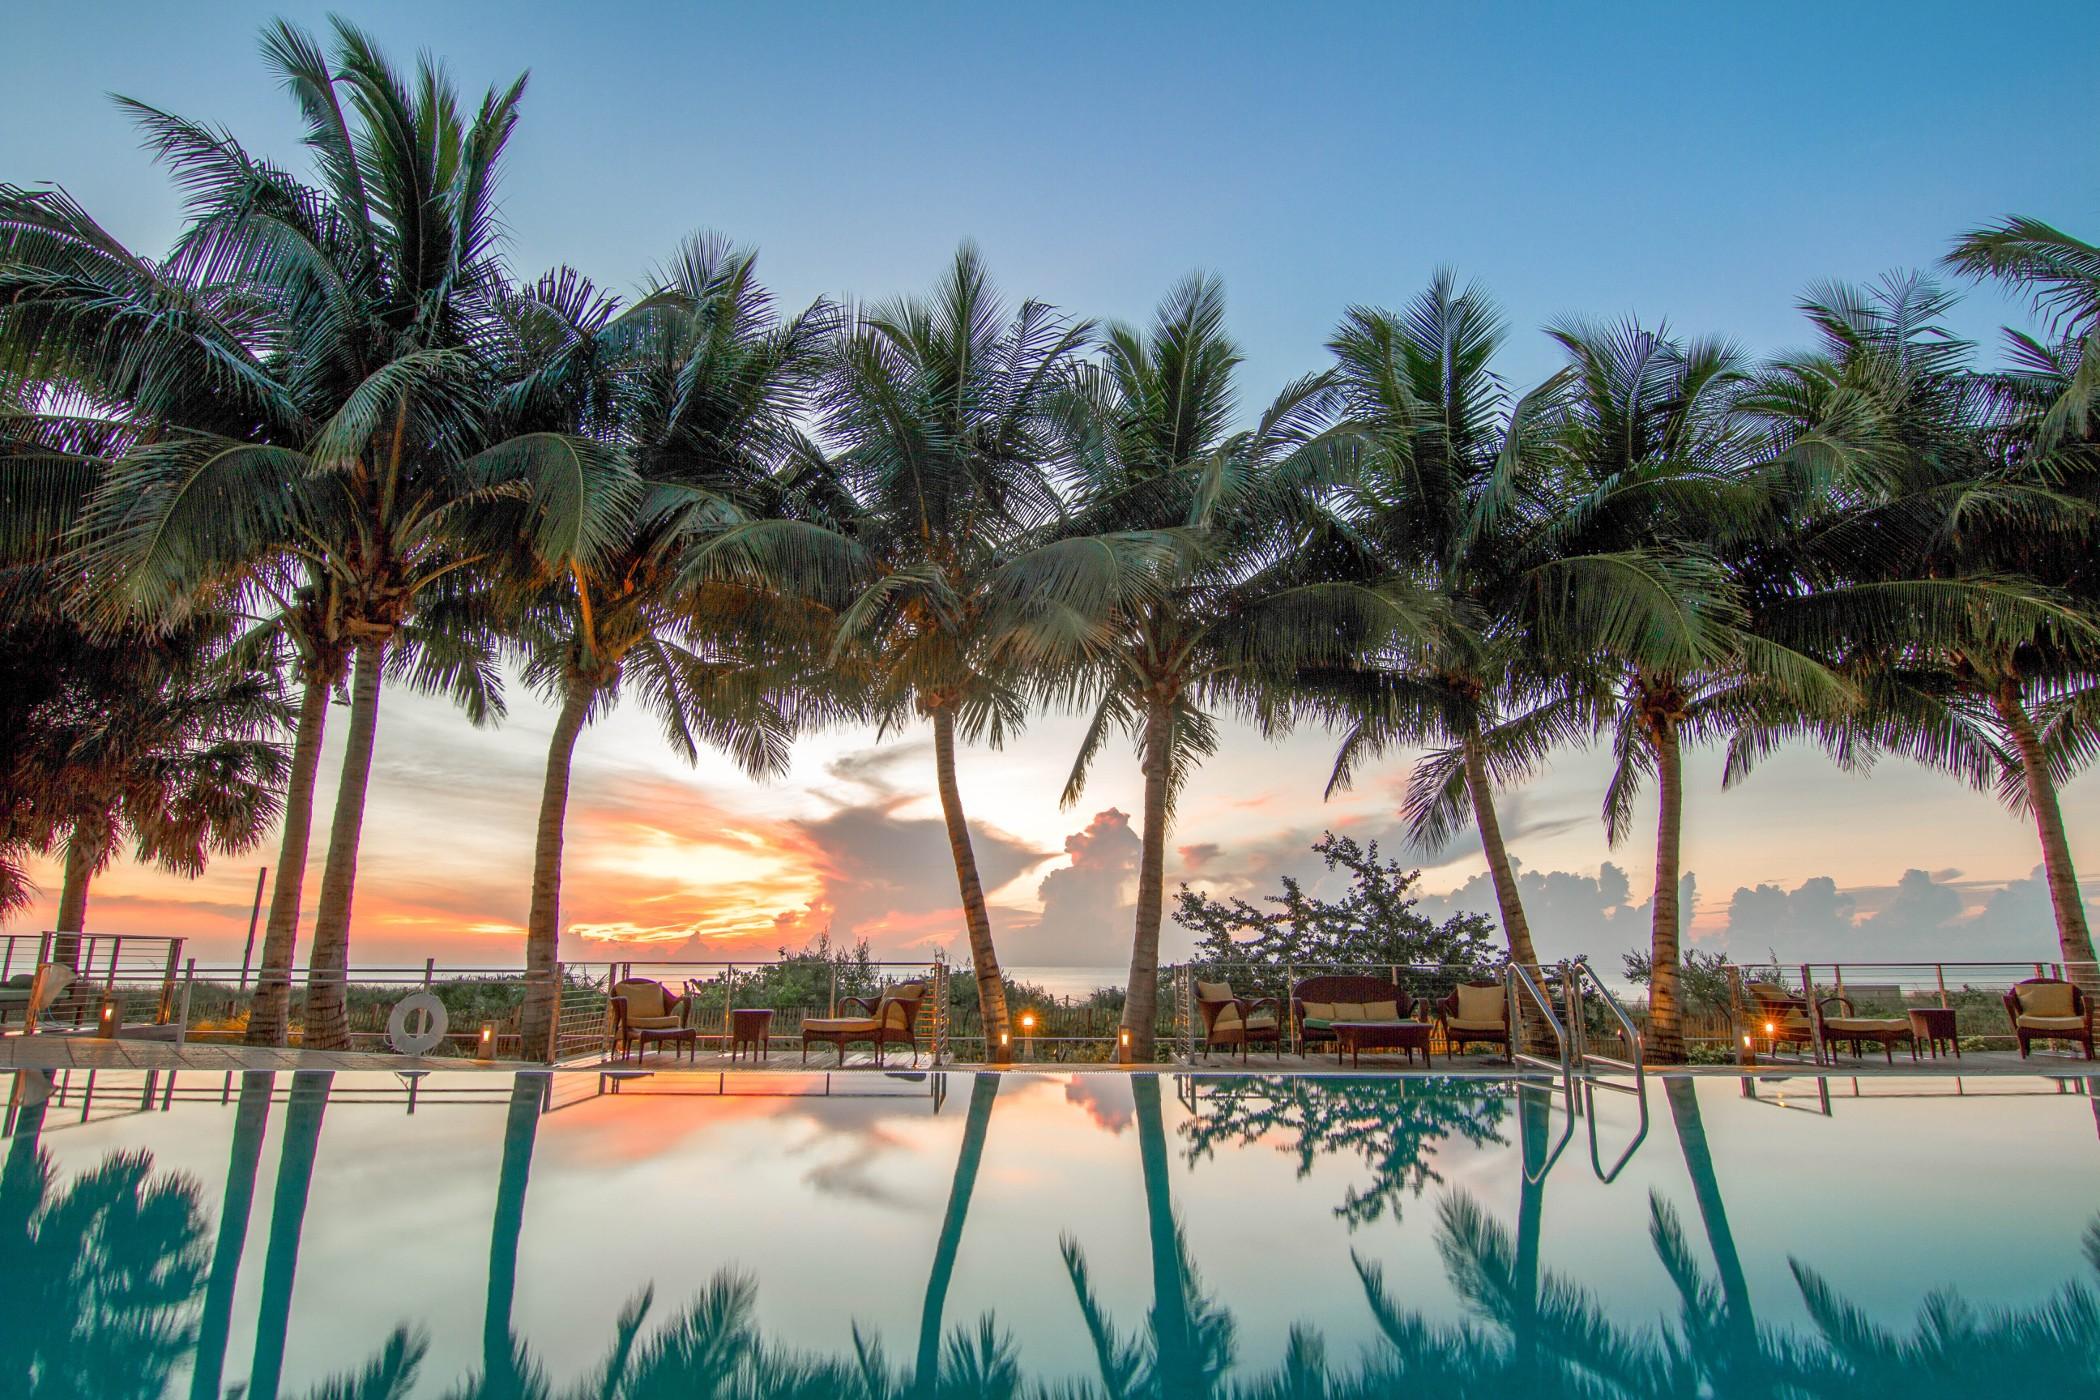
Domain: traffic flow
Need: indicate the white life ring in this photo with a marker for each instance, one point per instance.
(416, 1024)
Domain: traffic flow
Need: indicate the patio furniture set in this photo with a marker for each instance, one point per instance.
(2039, 1009)
(1355, 1014)
(645, 1012)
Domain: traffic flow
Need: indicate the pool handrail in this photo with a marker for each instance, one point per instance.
(1519, 985)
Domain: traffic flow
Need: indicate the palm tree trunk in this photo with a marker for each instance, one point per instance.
(543, 923)
(1515, 927)
(327, 1021)
(984, 1092)
(1141, 1001)
(295, 1182)
(1534, 1114)
(84, 850)
(499, 1352)
(991, 990)
(270, 1009)
(249, 1122)
(2074, 936)
(1665, 1015)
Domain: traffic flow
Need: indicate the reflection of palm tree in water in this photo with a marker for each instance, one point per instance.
(250, 1118)
(502, 1358)
(98, 1281)
(1392, 1125)
(295, 1179)
(984, 1091)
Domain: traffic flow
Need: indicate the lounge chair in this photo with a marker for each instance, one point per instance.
(1475, 1011)
(2048, 1008)
(892, 1018)
(644, 1010)
(1230, 1020)
(1318, 1002)
(1779, 1016)
(1885, 1031)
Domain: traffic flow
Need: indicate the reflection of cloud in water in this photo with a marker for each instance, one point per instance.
(1105, 1098)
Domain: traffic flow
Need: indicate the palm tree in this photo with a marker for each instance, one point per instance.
(700, 384)
(500, 1350)
(1250, 596)
(1653, 454)
(373, 295)
(967, 589)
(1951, 551)
(1454, 475)
(158, 741)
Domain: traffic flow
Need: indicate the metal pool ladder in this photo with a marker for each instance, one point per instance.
(1578, 1066)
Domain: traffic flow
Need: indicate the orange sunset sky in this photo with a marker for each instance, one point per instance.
(666, 861)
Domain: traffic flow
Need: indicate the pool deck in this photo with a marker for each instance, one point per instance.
(84, 1052)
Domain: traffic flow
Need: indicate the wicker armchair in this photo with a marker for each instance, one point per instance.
(1475, 1011)
(890, 1019)
(1230, 1020)
(1886, 1032)
(1318, 1002)
(2049, 1008)
(644, 1010)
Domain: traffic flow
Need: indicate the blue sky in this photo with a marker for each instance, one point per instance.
(1695, 164)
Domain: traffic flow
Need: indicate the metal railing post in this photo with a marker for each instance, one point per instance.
(1941, 970)
(1815, 1015)
(1743, 1050)
(189, 983)
(429, 972)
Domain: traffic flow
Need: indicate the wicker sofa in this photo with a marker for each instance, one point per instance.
(890, 1019)
(1344, 998)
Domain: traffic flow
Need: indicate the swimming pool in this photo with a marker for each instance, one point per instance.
(1130, 1235)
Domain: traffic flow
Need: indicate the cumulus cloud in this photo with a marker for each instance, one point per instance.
(1569, 912)
(1088, 905)
(1767, 918)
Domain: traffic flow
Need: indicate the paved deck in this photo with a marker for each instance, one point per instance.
(83, 1052)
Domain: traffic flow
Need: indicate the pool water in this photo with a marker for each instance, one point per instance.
(1040, 1234)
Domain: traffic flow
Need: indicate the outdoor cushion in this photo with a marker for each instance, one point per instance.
(1768, 991)
(1318, 1023)
(2075, 1025)
(1349, 1011)
(1262, 1021)
(1460, 1023)
(2047, 999)
(896, 1007)
(1321, 1011)
(1480, 1005)
(643, 999)
(1381, 1011)
(838, 1023)
(1863, 1025)
(652, 1023)
(1214, 991)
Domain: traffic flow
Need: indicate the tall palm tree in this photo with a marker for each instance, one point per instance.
(1454, 475)
(1251, 595)
(700, 384)
(1653, 454)
(373, 297)
(966, 587)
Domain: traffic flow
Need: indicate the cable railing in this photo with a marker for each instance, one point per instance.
(1772, 1008)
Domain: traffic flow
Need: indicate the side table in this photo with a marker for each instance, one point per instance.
(1934, 1024)
(750, 1029)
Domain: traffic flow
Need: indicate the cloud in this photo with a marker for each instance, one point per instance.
(1768, 919)
(1199, 855)
(1088, 905)
(1569, 912)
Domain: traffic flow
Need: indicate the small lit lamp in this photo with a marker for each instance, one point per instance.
(1123, 1045)
(1028, 1034)
(485, 1043)
(1749, 1051)
(106, 1024)
(1005, 1052)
